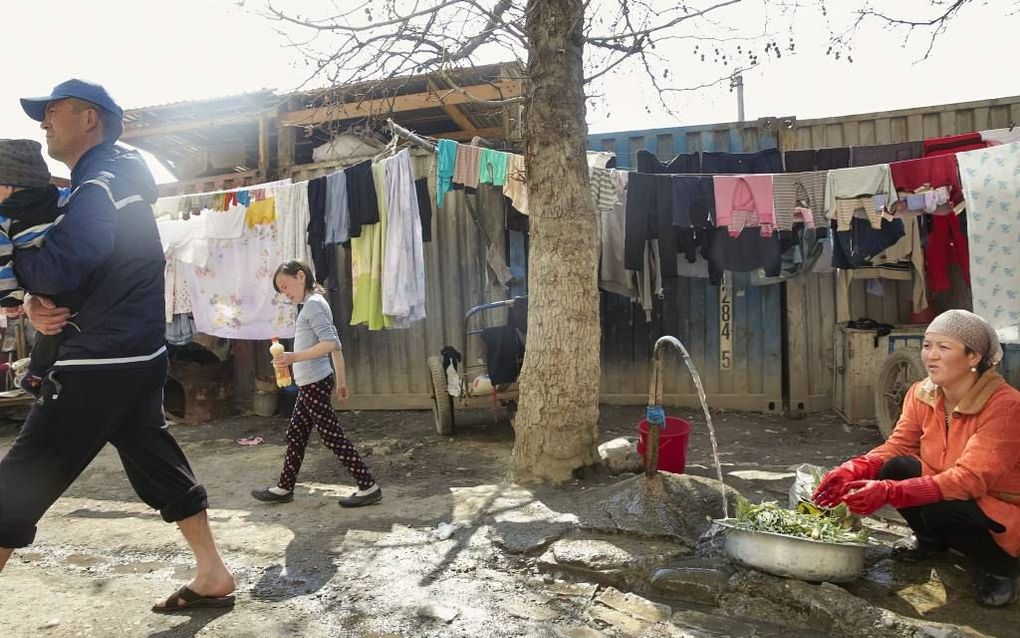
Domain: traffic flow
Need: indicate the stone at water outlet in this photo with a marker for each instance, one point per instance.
(620, 456)
(676, 506)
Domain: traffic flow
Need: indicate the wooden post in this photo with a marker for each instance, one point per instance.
(654, 430)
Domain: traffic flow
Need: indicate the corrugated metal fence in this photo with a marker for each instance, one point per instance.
(810, 311)
(785, 359)
(690, 308)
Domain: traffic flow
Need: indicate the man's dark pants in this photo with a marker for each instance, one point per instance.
(76, 415)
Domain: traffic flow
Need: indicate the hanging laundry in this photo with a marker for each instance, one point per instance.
(613, 274)
(650, 216)
(601, 159)
(323, 258)
(885, 153)
(445, 164)
(403, 275)
(465, 168)
(647, 162)
(516, 185)
(693, 215)
(999, 136)
(367, 254)
(928, 173)
(177, 295)
(745, 201)
(902, 261)
(992, 191)
(854, 183)
(870, 207)
(292, 220)
(946, 245)
(767, 161)
(822, 159)
(693, 201)
(649, 279)
(492, 167)
(856, 246)
(338, 215)
(233, 297)
(600, 186)
(183, 247)
(227, 224)
(421, 189)
(184, 239)
(925, 201)
(362, 199)
(744, 253)
(180, 330)
(801, 248)
(953, 144)
(260, 212)
(799, 197)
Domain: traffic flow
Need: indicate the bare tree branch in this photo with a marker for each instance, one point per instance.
(671, 23)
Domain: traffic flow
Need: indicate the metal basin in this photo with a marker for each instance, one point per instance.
(794, 557)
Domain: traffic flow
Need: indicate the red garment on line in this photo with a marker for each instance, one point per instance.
(938, 170)
(946, 245)
(953, 144)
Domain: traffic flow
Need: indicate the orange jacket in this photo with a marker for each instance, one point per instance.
(978, 457)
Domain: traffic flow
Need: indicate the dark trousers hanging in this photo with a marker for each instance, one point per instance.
(649, 215)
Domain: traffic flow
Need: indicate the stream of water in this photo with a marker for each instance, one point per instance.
(704, 406)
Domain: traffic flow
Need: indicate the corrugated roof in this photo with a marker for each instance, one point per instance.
(221, 134)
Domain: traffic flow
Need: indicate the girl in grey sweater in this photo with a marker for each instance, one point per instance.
(315, 342)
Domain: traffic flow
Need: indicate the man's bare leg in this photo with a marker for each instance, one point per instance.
(212, 577)
(5, 553)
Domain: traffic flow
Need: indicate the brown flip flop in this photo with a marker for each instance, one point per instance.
(192, 599)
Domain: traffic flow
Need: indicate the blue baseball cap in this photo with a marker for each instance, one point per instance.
(35, 107)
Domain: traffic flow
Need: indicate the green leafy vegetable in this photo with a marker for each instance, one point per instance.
(828, 525)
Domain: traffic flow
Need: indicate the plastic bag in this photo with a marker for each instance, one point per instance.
(452, 381)
(804, 483)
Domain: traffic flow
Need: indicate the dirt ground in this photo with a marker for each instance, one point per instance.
(310, 568)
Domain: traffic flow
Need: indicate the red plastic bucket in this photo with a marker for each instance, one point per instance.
(672, 443)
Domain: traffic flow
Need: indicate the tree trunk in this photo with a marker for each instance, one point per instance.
(557, 423)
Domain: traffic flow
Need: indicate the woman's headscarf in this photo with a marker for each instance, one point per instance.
(970, 330)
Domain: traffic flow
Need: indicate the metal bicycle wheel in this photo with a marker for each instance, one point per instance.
(442, 402)
(899, 371)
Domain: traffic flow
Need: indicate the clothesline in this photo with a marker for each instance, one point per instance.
(727, 221)
(744, 243)
(223, 279)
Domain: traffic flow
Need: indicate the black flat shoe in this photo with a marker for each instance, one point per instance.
(994, 591)
(266, 496)
(359, 501)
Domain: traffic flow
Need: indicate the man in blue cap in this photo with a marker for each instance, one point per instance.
(107, 383)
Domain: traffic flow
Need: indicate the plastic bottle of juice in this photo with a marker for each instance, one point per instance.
(282, 374)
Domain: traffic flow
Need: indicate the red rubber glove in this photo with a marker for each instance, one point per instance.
(830, 491)
(866, 497)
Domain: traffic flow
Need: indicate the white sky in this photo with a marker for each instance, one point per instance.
(149, 53)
